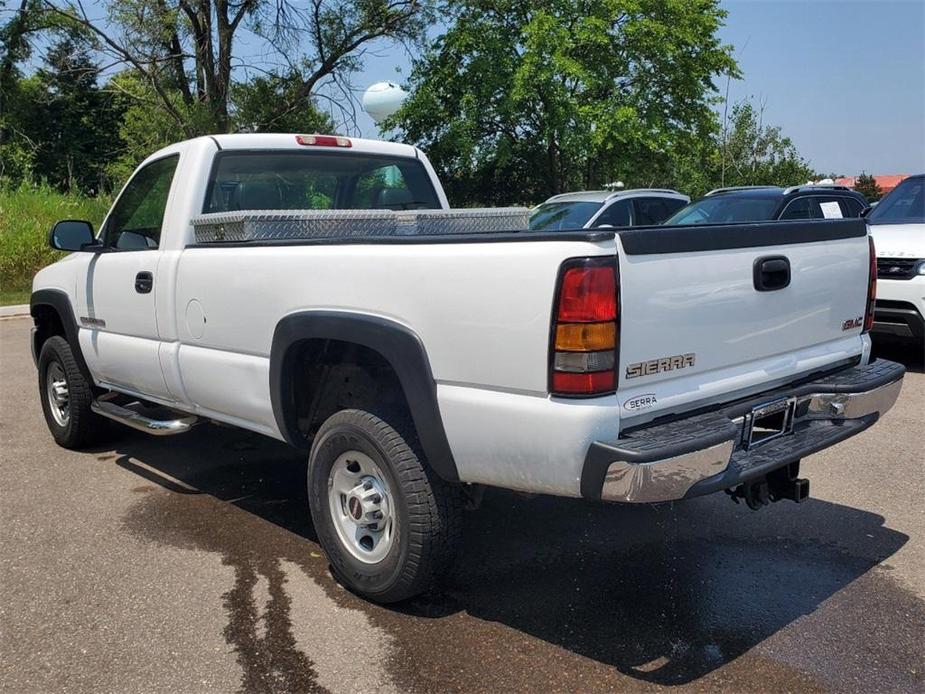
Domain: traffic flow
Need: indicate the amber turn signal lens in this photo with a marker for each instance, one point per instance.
(585, 337)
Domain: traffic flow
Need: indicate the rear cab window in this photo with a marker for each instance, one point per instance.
(283, 180)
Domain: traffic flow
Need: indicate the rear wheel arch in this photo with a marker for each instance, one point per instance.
(374, 345)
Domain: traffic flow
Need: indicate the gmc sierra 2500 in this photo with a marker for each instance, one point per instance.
(318, 290)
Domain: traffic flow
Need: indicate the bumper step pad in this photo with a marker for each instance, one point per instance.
(703, 453)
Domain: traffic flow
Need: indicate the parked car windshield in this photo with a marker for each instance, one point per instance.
(551, 216)
(317, 181)
(725, 208)
(905, 204)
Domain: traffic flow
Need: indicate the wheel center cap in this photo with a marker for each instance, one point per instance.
(355, 508)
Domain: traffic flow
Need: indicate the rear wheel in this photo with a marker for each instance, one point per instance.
(66, 396)
(388, 524)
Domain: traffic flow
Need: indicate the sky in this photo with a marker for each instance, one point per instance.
(845, 79)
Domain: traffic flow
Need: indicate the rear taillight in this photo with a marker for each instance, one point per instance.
(585, 329)
(324, 140)
(871, 287)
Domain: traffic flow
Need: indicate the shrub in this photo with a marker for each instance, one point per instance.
(27, 213)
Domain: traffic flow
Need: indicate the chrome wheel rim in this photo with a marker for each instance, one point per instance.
(57, 394)
(360, 502)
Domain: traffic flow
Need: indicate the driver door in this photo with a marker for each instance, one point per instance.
(118, 325)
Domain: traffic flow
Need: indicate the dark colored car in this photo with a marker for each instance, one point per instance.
(766, 203)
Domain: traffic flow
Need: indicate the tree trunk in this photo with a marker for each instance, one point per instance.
(225, 35)
(552, 157)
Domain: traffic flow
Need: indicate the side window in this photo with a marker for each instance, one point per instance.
(617, 215)
(651, 211)
(802, 208)
(135, 222)
(672, 205)
(829, 208)
(850, 207)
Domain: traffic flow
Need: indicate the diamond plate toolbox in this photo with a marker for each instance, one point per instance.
(277, 225)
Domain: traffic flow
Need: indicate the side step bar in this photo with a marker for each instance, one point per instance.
(136, 420)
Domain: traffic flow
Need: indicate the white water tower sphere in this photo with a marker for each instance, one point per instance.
(383, 99)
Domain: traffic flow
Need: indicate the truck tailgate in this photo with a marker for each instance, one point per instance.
(707, 313)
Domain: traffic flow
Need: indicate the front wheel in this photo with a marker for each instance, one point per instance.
(387, 523)
(66, 396)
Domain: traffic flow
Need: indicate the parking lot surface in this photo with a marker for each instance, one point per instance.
(189, 565)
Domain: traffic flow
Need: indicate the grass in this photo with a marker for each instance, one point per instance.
(14, 297)
(27, 213)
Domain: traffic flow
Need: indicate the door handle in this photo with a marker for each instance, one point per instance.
(144, 281)
(771, 272)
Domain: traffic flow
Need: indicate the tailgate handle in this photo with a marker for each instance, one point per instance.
(771, 272)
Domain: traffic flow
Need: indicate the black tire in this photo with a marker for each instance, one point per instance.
(426, 509)
(82, 426)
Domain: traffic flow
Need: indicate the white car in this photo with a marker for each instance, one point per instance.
(604, 208)
(897, 225)
(318, 290)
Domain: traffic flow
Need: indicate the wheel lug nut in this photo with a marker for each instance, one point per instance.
(376, 499)
(367, 485)
(377, 515)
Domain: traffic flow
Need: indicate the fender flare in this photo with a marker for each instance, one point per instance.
(59, 301)
(398, 345)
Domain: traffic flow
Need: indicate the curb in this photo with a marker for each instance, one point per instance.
(12, 311)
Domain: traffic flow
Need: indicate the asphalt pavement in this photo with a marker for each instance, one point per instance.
(189, 564)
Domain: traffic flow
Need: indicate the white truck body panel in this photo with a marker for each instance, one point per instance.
(201, 341)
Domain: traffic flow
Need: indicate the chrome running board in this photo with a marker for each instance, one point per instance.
(136, 420)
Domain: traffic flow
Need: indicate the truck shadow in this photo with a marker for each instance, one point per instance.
(662, 594)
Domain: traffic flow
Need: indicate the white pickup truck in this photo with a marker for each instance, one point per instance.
(318, 290)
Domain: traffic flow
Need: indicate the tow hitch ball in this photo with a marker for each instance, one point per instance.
(783, 483)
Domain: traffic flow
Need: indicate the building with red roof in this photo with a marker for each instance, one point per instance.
(886, 182)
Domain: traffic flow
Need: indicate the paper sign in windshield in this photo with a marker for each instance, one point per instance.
(831, 210)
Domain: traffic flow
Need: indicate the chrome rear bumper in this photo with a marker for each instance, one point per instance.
(710, 451)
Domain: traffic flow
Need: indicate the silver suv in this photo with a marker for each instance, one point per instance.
(605, 208)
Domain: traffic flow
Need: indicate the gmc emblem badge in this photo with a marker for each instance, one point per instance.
(853, 323)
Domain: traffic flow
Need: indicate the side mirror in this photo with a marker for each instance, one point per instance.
(72, 235)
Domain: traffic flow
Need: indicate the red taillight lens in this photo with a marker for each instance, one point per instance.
(871, 287)
(588, 294)
(582, 384)
(324, 140)
(585, 336)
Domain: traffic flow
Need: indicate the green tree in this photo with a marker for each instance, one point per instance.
(867, 186)
(185, 51)
(519, 100)
(17, 155)
(255, 106)
(145, 127)
(754, 153)
(59, 124)
(78, 120)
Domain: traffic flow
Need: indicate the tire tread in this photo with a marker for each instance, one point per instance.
(434, 505)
